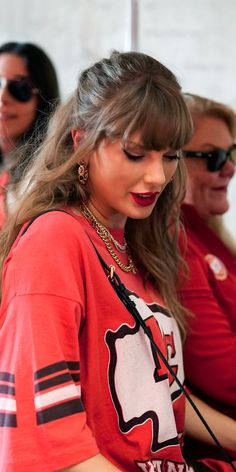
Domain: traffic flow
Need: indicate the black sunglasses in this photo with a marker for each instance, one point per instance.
(20, 88)
(215, 159)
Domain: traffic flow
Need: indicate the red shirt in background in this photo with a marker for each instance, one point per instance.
(210, 294)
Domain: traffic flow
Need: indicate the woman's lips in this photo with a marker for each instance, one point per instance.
(144, 199)
(4, 116)
(224, 188)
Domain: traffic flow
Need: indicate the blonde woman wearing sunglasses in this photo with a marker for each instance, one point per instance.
(28, 94)
(209, 290)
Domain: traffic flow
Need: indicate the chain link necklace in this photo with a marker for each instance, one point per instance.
(107, 238)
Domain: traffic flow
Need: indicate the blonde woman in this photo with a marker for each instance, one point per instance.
(209, 292)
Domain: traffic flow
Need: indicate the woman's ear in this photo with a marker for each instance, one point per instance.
(76, 134)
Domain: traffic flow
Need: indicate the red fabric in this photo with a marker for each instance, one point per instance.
(210, 294)
(79, 374)
(4, 178)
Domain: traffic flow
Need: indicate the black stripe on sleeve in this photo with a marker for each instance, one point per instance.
(7, 377)
(73, 365)
(50, 369)
(8, 390)
(75, 377)
(59, 411)
(57, 380)
(8, 419)
(56, 367)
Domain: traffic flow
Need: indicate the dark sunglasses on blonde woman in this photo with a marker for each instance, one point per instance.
(20, 88)
(215, 159)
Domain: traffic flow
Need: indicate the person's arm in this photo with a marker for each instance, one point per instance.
(41, 315)
(222, 426)
(98, 463)
(210, 346)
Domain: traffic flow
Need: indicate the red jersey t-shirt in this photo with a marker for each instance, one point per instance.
(78, 376)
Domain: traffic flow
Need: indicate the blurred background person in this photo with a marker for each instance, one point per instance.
(29, 92)
(209, 289)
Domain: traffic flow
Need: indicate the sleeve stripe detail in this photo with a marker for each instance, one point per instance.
(57, 395)
(75, 377)
(7, 389)
(57, 380)
(7, 419)
(59, 411)
(56, 367)
(73, 365)
(7, 404)
(7, 377)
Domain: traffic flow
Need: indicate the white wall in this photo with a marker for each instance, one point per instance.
(195, 38)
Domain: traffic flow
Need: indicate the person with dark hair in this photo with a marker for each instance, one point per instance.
(85, 389)
(209, 290)
(29, 92)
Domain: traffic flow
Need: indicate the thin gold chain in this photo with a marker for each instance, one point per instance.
(107, 237)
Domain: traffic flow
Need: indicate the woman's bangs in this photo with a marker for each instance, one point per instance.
(164, 123)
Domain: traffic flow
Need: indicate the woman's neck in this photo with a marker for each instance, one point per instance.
(115, 220)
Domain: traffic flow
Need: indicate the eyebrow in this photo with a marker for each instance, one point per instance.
(142, 147)
(210, 145)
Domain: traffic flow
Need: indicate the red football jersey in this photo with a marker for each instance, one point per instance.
(78, 376)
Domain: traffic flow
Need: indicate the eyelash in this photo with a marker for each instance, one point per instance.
(135, 157)
(172, 157)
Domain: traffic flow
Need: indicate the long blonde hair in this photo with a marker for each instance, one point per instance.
(118, 96)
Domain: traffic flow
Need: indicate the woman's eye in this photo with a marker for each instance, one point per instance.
(133, 157)
(172, 157)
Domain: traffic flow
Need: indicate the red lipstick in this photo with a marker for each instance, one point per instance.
(144, 199)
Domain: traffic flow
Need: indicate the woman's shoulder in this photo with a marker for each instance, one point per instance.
(54, 223)
(49, 256)
(56, 231)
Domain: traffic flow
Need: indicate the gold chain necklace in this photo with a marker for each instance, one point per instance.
(107, 238)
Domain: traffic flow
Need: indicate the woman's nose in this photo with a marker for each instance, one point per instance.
(155, 173)
(228, 169)
(4, 94)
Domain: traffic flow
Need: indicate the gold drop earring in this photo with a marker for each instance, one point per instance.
(83, 172)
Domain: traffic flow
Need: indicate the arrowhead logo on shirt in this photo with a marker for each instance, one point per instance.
(217, 267)
(141, 388)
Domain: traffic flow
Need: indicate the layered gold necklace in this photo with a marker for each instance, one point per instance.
(109, 239)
